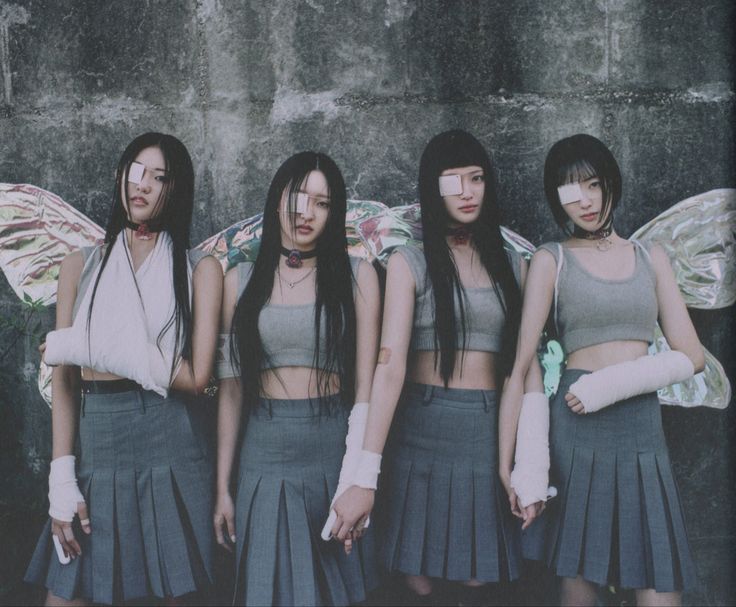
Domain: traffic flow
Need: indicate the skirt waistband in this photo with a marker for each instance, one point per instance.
(120, 402)
(463, 398)
(114, 386)
(298, 407)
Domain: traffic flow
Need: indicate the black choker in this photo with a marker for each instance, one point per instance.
(294, 257)
(460, 234)
(142, 231)
(600, 236)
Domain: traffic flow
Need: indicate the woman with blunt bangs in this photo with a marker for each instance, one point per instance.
(136, 329)
(300, 347)
(448, 340)
(618, 519)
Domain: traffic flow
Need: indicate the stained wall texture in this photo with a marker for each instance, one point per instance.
(245, 84)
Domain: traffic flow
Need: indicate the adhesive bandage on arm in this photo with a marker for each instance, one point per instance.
(624, 380)
(224, 367)
(530, 476)
(352, 462)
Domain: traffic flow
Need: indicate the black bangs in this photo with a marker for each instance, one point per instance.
(453, 149)
(578, 170)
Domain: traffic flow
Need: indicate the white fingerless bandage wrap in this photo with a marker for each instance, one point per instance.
(64, 495)
(530, 476)
(357, 467)
(631, 378)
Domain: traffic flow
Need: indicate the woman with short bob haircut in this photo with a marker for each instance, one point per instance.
(139, 315)
(618, 519)
(449, 335)
(303, 327)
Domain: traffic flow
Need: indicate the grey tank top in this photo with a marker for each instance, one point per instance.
(483, 312)
(287, 330)
(590, 310)
(92, 257)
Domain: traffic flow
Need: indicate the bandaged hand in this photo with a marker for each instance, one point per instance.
(594, 391)
(65, 500)
(530, 476)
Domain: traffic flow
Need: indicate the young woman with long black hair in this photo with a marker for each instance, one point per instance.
(303, 327)
(139, 315)
(448, 340)
(617, 519)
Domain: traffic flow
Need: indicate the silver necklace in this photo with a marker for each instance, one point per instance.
(291, 285)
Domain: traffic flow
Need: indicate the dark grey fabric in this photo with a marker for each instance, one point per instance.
(443, 510)
(147, 480)
(617, 518)
(484, 314)
(289, 466)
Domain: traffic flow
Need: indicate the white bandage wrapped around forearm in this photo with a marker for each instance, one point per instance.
(224, 368)
(530, 476)
(359, 467)
(64, 495)
(631, 378)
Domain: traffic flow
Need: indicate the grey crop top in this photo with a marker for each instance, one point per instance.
(287, 330)
(590, 310)
(483, 312)
(92, 256)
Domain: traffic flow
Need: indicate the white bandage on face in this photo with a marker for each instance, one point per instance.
(136, 172)
(530, 476)
(569, 193)
(631, 378)
(64, 495)
(350, 461)
(302, 202)
(451, 185)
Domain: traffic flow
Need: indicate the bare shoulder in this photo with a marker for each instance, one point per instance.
(208, 269)
(71, 267)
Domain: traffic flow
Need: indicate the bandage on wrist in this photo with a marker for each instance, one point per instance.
(631, 378)
(530, 476)
(64, 495)
(369, 467)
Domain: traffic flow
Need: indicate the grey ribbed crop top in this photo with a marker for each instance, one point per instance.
(483, 312)
(590, 310)
(287, 330)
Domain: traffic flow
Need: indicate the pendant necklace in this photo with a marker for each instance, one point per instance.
(291, 285)
(460, 235)
(601, 237)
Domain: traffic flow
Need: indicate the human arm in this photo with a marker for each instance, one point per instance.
(229, 413)
(207, 284)
(388, 379)
(64, 496)
(526, 374)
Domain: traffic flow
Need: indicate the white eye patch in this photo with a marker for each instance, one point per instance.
(570, 193)
(302, 201)
(451, 185)
(135, 172)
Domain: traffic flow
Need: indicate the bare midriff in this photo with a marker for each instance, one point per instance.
(473, 370)
(296, 382)
(592, 358)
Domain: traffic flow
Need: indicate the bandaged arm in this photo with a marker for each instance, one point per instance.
(359, 467)
(530, 476)
(627, 379)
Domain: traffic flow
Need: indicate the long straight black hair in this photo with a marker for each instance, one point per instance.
(333, 277)
(173, 215)
(456, 149)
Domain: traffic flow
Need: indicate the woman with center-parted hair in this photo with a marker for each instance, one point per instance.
(448, 340)
(300, 342)
(618, 519)
(139, 316)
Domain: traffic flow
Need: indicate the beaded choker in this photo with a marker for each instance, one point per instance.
(294, 257)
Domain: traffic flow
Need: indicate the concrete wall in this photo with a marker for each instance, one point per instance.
(245, 84)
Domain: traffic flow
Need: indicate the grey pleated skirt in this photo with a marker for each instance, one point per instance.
(289, 467)
(145, 475)
(443, 510)
(617, 519)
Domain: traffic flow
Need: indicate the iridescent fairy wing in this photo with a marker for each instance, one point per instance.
(240, 242)
(698, 236)
(37, 230)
